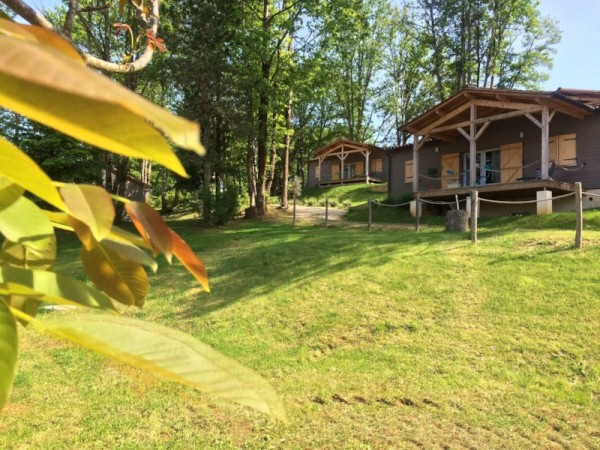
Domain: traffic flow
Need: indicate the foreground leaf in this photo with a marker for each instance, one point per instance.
(57, 288)
(123, 280)
(91, 205)
(22, 170)
(170, 354)
(25, 223)
(189, 259)
(49, 87)
(151, 227)
(8, 351)
(9, 192)
(129, 251)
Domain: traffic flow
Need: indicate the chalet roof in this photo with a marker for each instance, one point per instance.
(345, 145)
(442, 120)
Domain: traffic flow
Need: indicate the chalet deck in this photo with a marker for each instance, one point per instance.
(516, 190)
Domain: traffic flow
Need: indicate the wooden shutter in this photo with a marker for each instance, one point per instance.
(450, 169)
(408, 171)
(318, 171)
(335, 171)
(377, 165)
(553, 149)
(567, 150)
(511, 162)
(360, 168)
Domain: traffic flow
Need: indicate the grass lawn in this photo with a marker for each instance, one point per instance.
(343, 195)
(388, 339)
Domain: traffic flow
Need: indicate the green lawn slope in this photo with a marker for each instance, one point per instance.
(387, 339)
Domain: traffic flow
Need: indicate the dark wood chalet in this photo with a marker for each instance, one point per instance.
(345, 161)
(510, 144)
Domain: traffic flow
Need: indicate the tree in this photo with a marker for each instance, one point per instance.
(63, 93)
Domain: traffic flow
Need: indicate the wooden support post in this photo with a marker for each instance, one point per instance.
(473, 146)
(474, 211)
(579, 215)
(367, 153)
(320, 161)
(418, 200)
(545, 138)
(326, 211)
(294, 213)
(370, 213)
(415, 163)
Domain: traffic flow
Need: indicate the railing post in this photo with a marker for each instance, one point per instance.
(294, 214)
(369, 212)
(474, 210)
(418, 200)
(579, 215)
(326, 211)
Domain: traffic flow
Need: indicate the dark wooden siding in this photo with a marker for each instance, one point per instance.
(507, 132)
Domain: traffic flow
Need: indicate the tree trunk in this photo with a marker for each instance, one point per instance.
(286, 154)
(457, 220)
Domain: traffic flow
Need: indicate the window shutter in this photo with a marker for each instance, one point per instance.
(567, 150)
(408, 171)
(360, 168)
(376, 165)
(553, 149)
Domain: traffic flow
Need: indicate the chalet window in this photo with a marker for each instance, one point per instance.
(562, 149)
(350, 170)
(318, 172)
(408, 171)
(377, 165)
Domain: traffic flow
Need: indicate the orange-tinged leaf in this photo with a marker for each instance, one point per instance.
(121, 279)
(151, 227)
(83, 232)
(91, 205)
(189, 259)
(22, 170)
(129, 251)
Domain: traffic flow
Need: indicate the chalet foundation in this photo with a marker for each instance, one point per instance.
(544, 205)
(413, 209)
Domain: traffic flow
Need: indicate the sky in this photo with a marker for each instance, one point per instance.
(576, 63)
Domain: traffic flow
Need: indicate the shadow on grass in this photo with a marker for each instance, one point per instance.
(256, 258)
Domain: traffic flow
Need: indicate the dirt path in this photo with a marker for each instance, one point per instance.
(316, 213)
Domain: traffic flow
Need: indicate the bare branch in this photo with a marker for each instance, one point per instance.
(35, 18)
(28, 13)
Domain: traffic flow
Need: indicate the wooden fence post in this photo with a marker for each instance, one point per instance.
(326, 211)
(474, 211)
(418, 200)
(579, 216)
(294, 214)
(369, 202)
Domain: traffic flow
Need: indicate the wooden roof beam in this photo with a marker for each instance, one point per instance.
(503, 104)
(447, 117)
(507, 115)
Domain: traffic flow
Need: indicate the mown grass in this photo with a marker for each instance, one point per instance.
(343, 196)
(388, 339)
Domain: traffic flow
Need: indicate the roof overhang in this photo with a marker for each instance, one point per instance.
(444, 120)
(344, 146)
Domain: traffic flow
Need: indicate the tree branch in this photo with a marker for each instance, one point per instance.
(35, 18)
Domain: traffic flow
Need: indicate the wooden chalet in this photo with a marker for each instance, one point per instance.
(510, 144)
(345, 161)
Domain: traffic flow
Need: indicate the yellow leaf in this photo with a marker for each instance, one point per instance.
(151, 227)
(56, 288)
(47, 86)
(8, 351)
(25, 223)
(129, 251)
(123, 280)
(91, 205)
(40, 36)
(13, 254)
(22, 170)
(189, 259)
(171, 354)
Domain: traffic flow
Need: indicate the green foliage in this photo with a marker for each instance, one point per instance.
(64, 94)
(224, 207)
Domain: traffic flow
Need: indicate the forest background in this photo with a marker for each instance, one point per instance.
(271, 81)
